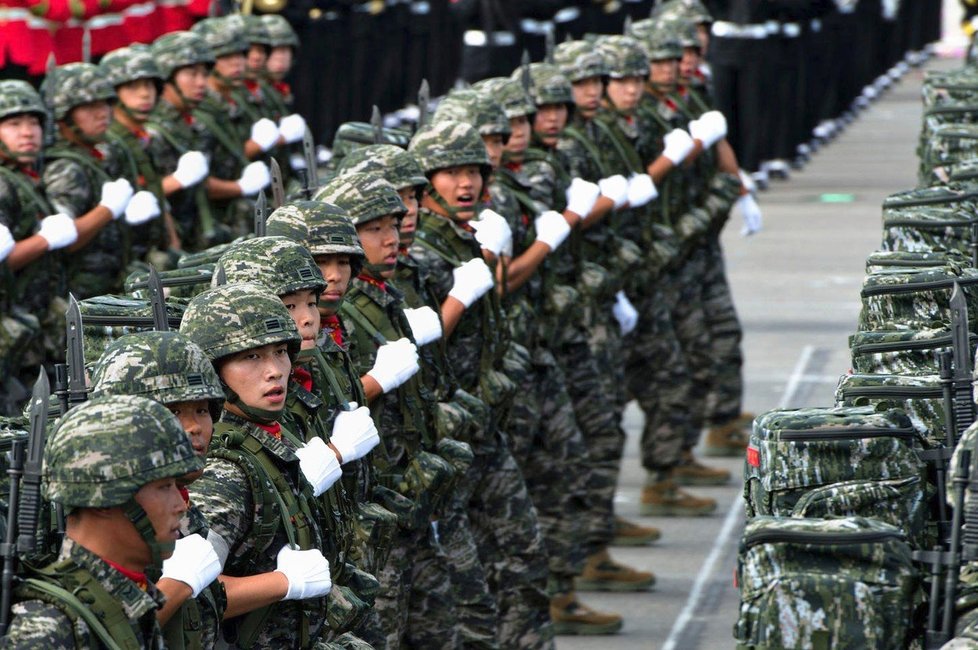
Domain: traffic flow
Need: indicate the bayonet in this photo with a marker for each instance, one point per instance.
(8, 549)
(261, 207)
(86, 45)
(312, 171)
(550, 44)
(964, 407)
(377, 122)
(77, 391)
(627, 28)
(30, 498)
(278, 186)
(220, 277)
(424, 101)
(51, 76)
(157, 300)
(525, 76)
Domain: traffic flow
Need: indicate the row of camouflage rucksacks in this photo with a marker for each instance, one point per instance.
(850, 540)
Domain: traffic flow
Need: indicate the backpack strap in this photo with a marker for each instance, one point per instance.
(69, 153)
(221, 135)
(576, 134)
(28, 188)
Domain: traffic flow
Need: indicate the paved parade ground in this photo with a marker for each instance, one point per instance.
(796, 286)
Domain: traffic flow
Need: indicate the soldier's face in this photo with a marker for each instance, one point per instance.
(338, 272)
(494, 147)
(587, 96)
(461, 187)
(231, 67)
(519, 139)
(380, 239)
(22, 135)
(164, 505)
(303, 306)
(92, 119)
(259, 376)
(664, 74)
(257, 58)
(409, 222)
(191, 81)
(195, 418)
(689, 63)
(703, 33)
(624, 93)
(549, 122)
(279, 62)
(138, 96)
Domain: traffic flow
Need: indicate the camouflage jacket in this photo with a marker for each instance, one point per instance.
(38, 623)
(198, 622)
(225, 120)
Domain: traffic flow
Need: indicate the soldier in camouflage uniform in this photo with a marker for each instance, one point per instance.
(454, 159)
(257, 491)
(118, 528)
(82, 181)
(170, 369)
(283, 43)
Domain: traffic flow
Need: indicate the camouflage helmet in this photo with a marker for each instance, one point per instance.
(103, 451)
(256, 32)
(692, 10)
(579, 60)
(659, 38)
(129, 64)
(449, 144)
(684, 30)
(224, 35)
(163, 366)
(237, 317)
(180, 49)
(477, 108)
(509, 94)
(280, 32)
(76, 84)
(323, 228)
(279, 263)
(397, 165)
(550, 86)
(18, 97)
(365, 196)
(624, 57)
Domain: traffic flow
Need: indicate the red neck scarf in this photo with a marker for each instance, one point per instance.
(274, 429)
(303, 377)
(332, 326)
(380, 284)
(135, 576)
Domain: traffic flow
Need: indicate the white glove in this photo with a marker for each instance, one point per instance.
(319, 465)
(472, 280)
(706, 130)
(292, 128)
(581, 196)
(254, 178)
(395, 363)
(751, 213)
(142, 207)
(264, 133)
(115, 196)
(678, 144)
(625, 313)
(194, 562)
(492, 232)
(425, 325)
(747, 181)
(552, 229)
(192, 168)
(354, 433)
(641, 190)
(59, 230)
(717, 121)
(306, 571)
(6, 242)
(615, 188)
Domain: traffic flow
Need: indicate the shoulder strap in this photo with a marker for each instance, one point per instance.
(218, 131)
(27, 188)
(536, 154)
(70, 605)
(629, 158)
(166, 135)
(592, 149)
(422, 238)
(57, 151)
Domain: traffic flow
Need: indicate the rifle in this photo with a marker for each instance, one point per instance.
(964, 406)
(261, 206)
(75, 354)
(424, 101)
(377, 123)
(312, 171)
(974, 244)
(278, 186)
(525, 78)
(157, 301)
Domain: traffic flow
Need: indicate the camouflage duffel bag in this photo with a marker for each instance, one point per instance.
(837, 462)
(947, 146)
(915, 299)
(900, 352)
(881, 261)
(947, 86)
(925, 229)
(178, 283)
(825, 584)
(950, 112)
(921, 397)
(106, 318)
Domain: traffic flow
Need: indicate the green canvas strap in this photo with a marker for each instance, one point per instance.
(221, 134)
(627, 155)
(28, 188)
(592, 149)
(73, 608)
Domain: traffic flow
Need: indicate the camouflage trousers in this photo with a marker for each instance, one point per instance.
(19, 331)
(344, 642)
(658, 379)
(597, 404)
(724, 402)
(415, 607)
(550, 450)
(511, 547)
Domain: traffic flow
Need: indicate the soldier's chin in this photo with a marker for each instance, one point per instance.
(26, 157)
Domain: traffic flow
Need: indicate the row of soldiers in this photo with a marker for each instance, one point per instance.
(406, 396)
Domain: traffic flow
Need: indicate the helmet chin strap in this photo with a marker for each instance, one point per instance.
(376, 271)
(135, 513)
(405, 239)
(136, 116)
(452, 210)
(253, 413)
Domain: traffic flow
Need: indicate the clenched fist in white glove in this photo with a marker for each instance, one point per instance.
(59, 230)
(292, 128)
(677, 145)
(354, 433)
(641, 190)
(751, 213)
(115, 196)
(143, 207)
(306, 571)
(552, 229)
(717, 122)
(615, 188)
(264, 133)
(625, 313)
(319, 465)
(581, 195)
(194, 562)
(254, 178)
(472, 280)
(492, 232)
(425, 325)
(192, 168)
(395, 363)
(6, 242)
(707, 130)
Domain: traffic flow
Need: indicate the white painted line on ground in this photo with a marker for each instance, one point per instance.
(796, 376)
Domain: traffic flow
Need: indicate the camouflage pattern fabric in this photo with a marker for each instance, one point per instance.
(900, 352)
(279, 263)
(948, 145)
(942, 86)
(549, 85)
(99, 337)
(830, 583)
(916, 299)
(396, 165)
(77, 84)
(725, 399)
(879, 261)
(578, 60)
(365, 196)
(927, 228)
(476, 108)
(920, 396)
